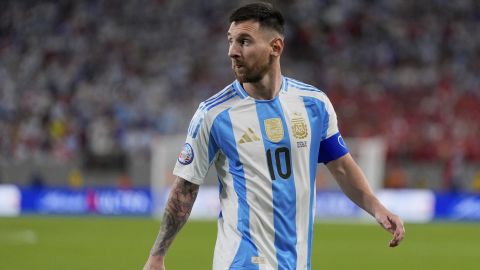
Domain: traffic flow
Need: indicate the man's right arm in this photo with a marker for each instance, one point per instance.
(177, 211)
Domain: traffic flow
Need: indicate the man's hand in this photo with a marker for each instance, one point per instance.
(351, 179)
(155, 262)
(393, 224)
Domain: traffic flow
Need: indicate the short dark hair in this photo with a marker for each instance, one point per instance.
(264, 13)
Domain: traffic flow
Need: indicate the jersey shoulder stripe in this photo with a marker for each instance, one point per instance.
(218, 96)
(302, 86)
(303, 89)
(223, 99)
(218, 99)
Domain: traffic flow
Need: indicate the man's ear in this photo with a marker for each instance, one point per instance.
(277, 46)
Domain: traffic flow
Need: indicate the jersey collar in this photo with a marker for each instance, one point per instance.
(243, 94)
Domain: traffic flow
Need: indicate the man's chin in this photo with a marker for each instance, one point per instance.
(240, 77)
(243, 78)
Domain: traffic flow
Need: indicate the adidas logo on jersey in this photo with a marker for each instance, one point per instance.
(249, 136)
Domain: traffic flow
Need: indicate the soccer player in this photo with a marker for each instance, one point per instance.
(264, 133)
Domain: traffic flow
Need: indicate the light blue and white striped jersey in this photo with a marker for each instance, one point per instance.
(266, 154)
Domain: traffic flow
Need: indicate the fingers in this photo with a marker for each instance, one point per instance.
(395, 240)
(397, 237)
(398, 233)
(386, 224)
(394, 225)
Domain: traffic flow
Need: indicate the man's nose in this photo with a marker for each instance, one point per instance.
(233, 51)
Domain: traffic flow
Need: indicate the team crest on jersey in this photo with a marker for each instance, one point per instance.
(299, 128)
(274, 129)
(186, 155)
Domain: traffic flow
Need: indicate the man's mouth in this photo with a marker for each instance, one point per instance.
(237, 65)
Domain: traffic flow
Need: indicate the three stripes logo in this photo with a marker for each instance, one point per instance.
(249, 136)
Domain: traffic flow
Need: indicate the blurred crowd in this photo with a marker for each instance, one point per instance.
(103, 76)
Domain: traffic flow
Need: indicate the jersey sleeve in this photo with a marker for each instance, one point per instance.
(332, 146)
(199, 150)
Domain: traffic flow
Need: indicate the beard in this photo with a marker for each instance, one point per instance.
(253, 74)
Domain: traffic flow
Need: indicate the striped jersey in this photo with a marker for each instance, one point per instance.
(266, 154)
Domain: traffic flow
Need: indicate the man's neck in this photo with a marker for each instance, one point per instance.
(267, 88)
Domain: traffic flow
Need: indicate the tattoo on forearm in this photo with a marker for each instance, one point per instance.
(177, 211)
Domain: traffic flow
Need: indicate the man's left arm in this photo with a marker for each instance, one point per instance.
(354, 184)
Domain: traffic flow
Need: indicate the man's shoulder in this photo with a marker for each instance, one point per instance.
(297, 87)
(210, 108)
(220, 101)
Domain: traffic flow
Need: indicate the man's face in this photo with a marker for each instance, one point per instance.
(249, 50)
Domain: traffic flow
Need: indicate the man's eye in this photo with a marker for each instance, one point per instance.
(244, 41)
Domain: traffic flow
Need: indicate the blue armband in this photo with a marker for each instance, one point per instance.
(332, 148)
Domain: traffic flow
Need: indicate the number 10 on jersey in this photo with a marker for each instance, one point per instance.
(277, 156)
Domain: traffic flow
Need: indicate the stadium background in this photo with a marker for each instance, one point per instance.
(86, 88)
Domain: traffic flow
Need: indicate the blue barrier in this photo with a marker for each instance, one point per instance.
(411, 205)
(103, 201)
(457, 206)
